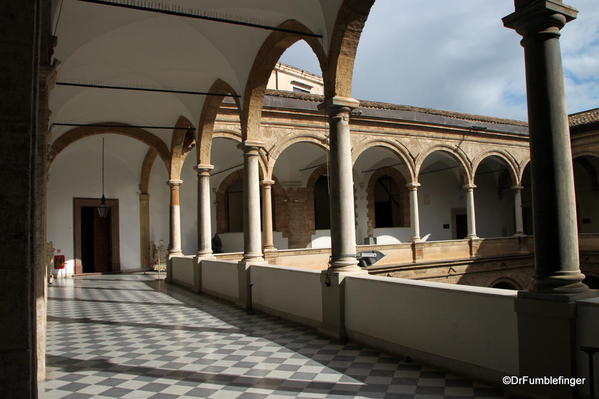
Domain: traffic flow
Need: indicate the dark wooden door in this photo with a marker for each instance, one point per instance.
(461, 226)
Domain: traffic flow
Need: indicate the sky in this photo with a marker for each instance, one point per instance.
(457, 56)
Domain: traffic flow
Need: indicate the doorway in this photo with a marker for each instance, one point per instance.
(460, 223)
(96, 237)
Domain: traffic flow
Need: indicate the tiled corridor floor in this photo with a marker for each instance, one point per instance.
(129, 336)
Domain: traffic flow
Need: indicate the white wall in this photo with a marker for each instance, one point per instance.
(494, 209)
(472, 325)
(278, 290)
(76, 172)
(220, 278)
(438, 194)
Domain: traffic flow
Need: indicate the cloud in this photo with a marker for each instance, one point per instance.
(458, 56)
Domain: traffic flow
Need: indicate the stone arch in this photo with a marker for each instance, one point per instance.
(400, 180)
(208, 117)
(455, 152)
(122, 129)
(344, 44)
(506, 158)
(273, 47)
(395, 147)
(523, 166)
(182, 142)
(508, 282)
(146, 170)
(277, 149)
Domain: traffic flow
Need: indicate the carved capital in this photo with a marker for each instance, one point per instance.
(540, 17)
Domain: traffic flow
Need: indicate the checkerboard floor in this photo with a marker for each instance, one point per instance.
(131, 337)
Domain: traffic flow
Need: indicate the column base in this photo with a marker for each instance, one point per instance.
(252, 259)
(269, 249)
(346, 264)
(204, 255)
(565, 283)
(174, 253)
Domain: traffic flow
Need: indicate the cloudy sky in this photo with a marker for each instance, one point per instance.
(457, 56)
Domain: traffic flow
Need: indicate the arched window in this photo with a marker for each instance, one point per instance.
(387, 208)
(234, 198)
(322, 214)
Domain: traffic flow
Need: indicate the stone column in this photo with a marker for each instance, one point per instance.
(251, 203)
(470, 210)
(343, 220)
(204, 215)
(144, 230)
(414, 214)
(518, 210)
(554, 211)
(175, 219)
(267, 215)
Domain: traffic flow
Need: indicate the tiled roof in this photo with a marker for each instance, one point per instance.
(398, 107)
(584, 118)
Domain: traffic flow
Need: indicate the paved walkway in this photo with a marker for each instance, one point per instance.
(130, 337)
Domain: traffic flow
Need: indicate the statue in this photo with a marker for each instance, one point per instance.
(159, 256)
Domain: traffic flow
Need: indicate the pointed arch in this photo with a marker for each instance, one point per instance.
(122, 129)
(208, 117)
(276, 150)
(396, 148)
(344, 44)
(273, 47)
(455, 152)
(182, 142)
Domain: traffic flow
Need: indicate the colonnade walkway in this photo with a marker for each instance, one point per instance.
(132, 337)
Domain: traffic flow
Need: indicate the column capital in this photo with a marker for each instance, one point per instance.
(174, 183)
(337, 103)
(201, 167)
(251, 145)
(541, 16)
(469, 186)
(413, 185)
(267, 182)
(517, 187)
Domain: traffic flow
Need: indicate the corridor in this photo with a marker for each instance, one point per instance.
(131, 337)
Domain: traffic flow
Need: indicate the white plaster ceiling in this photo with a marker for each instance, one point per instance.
(379, 157)
(295, 165)
(116, 46)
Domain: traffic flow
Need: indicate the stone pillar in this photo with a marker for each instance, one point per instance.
(252, 240)
(204, 215)
(554, 211)
(343, 220)
(267, 225)
(547, 312)
(414, 214)
(252, 245)
(471, 210)
(175, 219)
(518, 210)
(144, 230)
